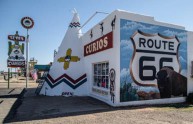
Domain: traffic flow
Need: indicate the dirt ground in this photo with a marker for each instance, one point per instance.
(163, 114)
(51, 110)
(137, 115)
(17, 82)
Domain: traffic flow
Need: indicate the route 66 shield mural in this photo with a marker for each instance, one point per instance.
(146, 49)
(155, 49)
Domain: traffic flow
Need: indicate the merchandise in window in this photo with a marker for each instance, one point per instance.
(101, 75)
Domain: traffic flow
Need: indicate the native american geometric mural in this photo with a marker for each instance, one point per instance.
(67, 80)
(74, 24)
(68, 58)
(67, 76)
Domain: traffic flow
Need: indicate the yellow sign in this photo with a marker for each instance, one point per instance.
(68, 58)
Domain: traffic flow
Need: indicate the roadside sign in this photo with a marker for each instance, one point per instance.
(16, 38)
(27, 22)
(16, 51)
(14, 64)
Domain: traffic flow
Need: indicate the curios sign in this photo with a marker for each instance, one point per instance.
(103, 43)
(27, 22)
(15, 63)
(151, 53)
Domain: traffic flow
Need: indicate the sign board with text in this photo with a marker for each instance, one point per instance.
(152, 52)
(15, 63)
(103, 43)
(16, 51)
(16, 38)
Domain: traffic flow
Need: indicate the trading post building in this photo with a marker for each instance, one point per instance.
(126, 59)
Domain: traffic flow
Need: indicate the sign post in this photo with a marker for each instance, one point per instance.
(8, 77)
(15, 54)
(27, 23)
(27, 62)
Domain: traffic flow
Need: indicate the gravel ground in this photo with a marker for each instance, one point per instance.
(19, 82)
(165, 114)
(126, 115)
(5, 106)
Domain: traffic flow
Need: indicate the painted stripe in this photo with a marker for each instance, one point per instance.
(74, 24)
(66, 79)
(155, 52)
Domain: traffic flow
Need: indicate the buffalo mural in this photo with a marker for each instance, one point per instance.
(171, 83)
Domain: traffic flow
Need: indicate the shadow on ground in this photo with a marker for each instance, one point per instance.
(9, 94)
(31, 107)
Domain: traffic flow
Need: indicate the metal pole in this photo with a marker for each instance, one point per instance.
(91, 18)
(27, 64)
(11, 72)
(8, 77)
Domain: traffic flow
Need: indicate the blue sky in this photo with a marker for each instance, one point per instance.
(53, 16)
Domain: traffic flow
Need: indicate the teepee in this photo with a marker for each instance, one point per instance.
(67, 76)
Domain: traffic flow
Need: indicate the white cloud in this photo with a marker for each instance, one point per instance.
(126, 49)
(183, 39)
(172, 33)
(148, 89)
(136, 25)
(125, 76)
(125, 73)
(182, 36)
(126, 45)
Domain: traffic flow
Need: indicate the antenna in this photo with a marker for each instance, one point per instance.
(91, 18)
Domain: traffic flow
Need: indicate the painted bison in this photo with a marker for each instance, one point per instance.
(171, 83)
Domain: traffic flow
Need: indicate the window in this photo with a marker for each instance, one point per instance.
(101, 75)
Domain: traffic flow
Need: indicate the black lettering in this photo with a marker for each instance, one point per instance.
(158, 44)
(150, 43)
(171, 45)
(142, 42)
(165, 42)
(142, 68)
(164, 59)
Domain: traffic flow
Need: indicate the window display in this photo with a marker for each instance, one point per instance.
(101, 75)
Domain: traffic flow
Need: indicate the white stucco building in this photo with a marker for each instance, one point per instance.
(118, 59)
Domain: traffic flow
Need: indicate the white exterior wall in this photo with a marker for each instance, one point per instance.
(113, 57)
(68, 84)
(110, 55)
(190, 58)
(148, 20)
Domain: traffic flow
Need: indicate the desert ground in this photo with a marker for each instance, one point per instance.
(84, 110)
